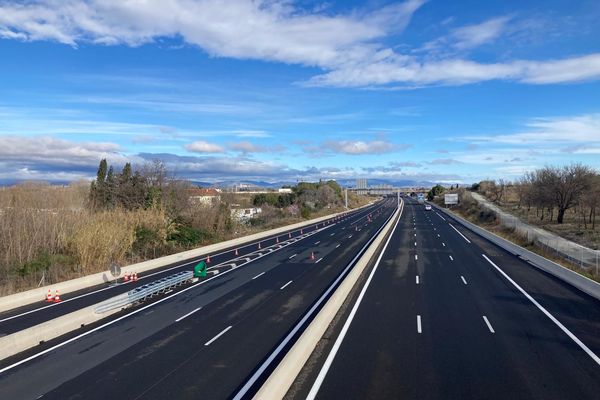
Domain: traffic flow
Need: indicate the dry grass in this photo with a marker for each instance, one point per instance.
(471, 212)
(574, 228)
(47, 231)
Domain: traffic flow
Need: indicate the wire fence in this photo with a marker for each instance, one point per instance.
(584, 257)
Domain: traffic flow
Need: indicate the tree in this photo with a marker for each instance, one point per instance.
(98, 187)
(567, 184)
(326, 195)
(437, 190)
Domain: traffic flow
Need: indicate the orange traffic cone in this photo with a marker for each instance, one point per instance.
(56, 297)
(312, 255)
(49, 296)
(126, 277)
(236, 252)
(277, 239)
(289, 235)
(259, 245)
(301, 232)
(134, 277)
(208, 259)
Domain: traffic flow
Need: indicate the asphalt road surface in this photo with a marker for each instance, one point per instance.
(442, 318)
(32, 314)
(204, 341)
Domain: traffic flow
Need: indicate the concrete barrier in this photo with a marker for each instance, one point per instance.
(19, 341)
(282, 378)
(571, 277)
(39, 294)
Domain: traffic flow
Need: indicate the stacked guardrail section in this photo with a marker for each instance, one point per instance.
(145, 292)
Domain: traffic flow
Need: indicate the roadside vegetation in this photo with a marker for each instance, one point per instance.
(562, 200)
(53, 233)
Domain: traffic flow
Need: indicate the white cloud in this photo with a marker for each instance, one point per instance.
(399, 69)
(356, 147)
(266, 30)
(249, 147)
(582, 128)
(444, 161)
(350, 48)
(43, 157)
(201, 146)
(470, 36)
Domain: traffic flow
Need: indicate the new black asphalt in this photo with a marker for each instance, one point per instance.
(456, 355)
(241, 317)
(32, 314)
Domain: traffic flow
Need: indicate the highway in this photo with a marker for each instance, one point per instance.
(32, 314)
(447, 315)
(209, 339)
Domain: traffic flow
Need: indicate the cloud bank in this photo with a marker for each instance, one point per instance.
(352, 49)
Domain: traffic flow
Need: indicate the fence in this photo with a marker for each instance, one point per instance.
(586, 258)
(145, 292)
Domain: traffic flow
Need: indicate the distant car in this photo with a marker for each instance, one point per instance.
(428, 207)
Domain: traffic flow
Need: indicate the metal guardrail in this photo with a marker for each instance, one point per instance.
(144, 292)
(566, 275)
(586, 258)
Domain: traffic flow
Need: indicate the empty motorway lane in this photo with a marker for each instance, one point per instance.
(36, 313)
(447, 315)
(206, 341)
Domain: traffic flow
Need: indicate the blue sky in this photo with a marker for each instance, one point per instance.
(451, 92)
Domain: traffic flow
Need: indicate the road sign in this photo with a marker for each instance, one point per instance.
(451, 199)
(115, 270)
(200, 270)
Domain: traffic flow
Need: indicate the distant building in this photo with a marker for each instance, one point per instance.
(284, 190)
(206, 197)
(244, 214)
(361, 183)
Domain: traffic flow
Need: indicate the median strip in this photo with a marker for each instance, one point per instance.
(284, 374)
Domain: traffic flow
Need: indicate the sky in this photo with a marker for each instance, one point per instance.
(280, 91)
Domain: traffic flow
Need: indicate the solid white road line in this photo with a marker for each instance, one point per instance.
(452, 259)
(338, 342)
(218, 336)
(318, 260)
(292, 256)
(552, 318)
(114, 321)
(463, 279)
(261, 274)
(488, 324)
(187, 315)
(284, 286)
(439, 215)
(419, 329)
(457, 231)
(417, 279)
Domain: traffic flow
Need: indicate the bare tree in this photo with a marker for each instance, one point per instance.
(567, 185)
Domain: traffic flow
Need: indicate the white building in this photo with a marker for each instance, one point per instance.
(244, 214)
